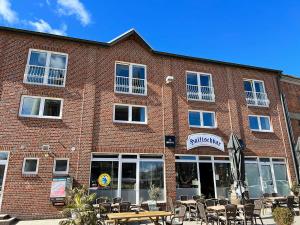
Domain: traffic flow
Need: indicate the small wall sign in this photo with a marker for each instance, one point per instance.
(204, 139)
(104, 179)
(170, 141)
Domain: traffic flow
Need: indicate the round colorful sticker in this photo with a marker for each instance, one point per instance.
(104, 179)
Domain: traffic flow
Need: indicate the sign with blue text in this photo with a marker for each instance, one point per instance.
(203, 139)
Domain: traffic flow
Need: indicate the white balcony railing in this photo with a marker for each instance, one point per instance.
(130, 85)
(200, 93)
(257, 98)
(45, 75)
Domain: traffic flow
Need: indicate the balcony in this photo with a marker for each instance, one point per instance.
(130, 85)
(257, 99)
(45, 75)
(200, 93)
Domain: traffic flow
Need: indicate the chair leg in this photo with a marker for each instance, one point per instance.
(261, 221)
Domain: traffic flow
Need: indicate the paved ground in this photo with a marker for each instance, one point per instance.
(267, 220)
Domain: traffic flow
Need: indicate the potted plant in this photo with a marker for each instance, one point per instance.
(79, 208)
(283, 216)
(295, 188)
(154, 193)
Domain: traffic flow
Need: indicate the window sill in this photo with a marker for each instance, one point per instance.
(129, 123)
(262, 131)
(129, 93)
(41, 117)
(258, 106)
(29, 174)
(44, 85)
(200, 100)
(202, 127)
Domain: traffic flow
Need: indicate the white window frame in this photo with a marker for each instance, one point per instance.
(41, 109)
(47, 67)
(198, 81)
(130, 114)
(136, 160)
(61, 172)
(253, 91)
(37, 166)
(259, 124)
(130, 78)
(201, 119)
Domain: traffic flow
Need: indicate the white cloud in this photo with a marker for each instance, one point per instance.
(74, 7)
(7, 13)
(43, 26)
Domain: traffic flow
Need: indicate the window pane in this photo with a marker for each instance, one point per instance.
(151, 173)
(194, 118)
(208, 119)
(31, 106)
(259, 86)
(265, 123)
(247, 85)
(204, 80)
(122, 70)
(253, 123)
(281, 179)
(192, 79)
(266, 174)
(98, 168)
(253, 180)
(61, 165)
(58, 61)
(128, 182)
(187, 182)
(223, 179)
(38, 58)
(52, 107)
(138, 114)
(30, 165)
(138, 72)
(2, 171)
(121, 113)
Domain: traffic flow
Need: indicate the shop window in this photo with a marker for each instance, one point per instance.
(253, 180)
(46, 68)
(41, 107)
(61, 166)
(281, 179)
(202, 119)
(30, 166)
(260, 123)
(223, 179)
(130, 114)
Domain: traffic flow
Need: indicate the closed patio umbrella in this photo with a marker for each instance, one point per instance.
(237, 165)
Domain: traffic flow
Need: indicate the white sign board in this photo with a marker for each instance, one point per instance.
(203, 139)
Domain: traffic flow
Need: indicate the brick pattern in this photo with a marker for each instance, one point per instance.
(87, 122)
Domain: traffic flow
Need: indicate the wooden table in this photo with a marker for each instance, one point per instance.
(126, 216)
(221, 208)
(273, 199)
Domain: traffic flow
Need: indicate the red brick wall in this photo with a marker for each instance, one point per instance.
(87, 121)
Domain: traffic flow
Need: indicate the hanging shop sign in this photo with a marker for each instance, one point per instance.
(170, 141)
(104, 179)
(204, 139)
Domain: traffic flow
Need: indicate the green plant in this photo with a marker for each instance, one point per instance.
(154, 192)
(295, 188)
(79, 208)
(283, 216)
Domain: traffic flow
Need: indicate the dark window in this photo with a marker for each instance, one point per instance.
(52, 107)
(61, 165)
(121, 113)
(138, 114)
(138, 72)
(122, 70)
(30, 165)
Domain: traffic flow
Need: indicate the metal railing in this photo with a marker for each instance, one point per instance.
(200, 93)
(257, 98)
(130, 85)
(45, 75)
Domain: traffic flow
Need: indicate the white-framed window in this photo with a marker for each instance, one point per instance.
(124, 113)
(130, 78)
(41, 107)
(199, 86)
(260, 123)
(256, 93)
(61, 166)
(202, 119)
(46, 68)
(30, 166)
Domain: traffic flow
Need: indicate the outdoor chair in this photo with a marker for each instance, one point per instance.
(124, 207)
(258, 205)
(104, 209)
(248, 214)
(230, 214)
(101, 200)
(196, 197)
(266, 204)
(274, 194)
(210, 202)
(177, 219)
(117, 200)
(223, 201)
(266, 195)
(204, 216)
(290, 203)
(184, 198)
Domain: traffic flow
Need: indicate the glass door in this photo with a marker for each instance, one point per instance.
(267, 179)
(129, 182)
(207, 180)
(252, 180)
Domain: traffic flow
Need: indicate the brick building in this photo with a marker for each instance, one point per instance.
(82, 109)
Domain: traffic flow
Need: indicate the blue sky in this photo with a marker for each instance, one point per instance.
(259, 33)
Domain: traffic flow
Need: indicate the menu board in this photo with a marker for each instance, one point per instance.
(58, 188)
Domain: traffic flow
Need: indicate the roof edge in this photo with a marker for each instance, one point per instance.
(290, 79)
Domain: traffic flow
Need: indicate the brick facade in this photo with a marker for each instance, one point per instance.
(87, 122)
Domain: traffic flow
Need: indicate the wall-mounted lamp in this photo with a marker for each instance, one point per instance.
(169, 79)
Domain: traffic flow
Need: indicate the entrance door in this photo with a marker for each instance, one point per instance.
(207, 180)
(3, 169)
(128, 182)
(267, 179)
